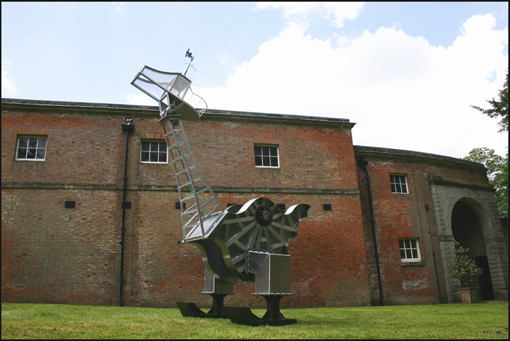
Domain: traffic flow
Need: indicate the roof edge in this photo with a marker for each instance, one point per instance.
(9, 104)
(407, 155)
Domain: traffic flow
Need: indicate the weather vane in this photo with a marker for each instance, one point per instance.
(189, 55)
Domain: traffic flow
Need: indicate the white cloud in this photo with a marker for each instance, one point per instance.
(402, 92)
(299, 12)
(141, 99)
(8, 85)
(227, 62)
(121, 7)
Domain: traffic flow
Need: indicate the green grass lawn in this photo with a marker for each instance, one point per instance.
(441, 321)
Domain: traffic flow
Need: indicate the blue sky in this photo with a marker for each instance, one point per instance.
(405, 73)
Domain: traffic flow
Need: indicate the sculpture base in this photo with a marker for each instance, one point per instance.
(272, 317)
(217, 311)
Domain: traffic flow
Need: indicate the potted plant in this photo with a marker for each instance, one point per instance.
(466, 270)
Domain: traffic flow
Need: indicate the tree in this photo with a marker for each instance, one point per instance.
(497, 173)
(499, 108)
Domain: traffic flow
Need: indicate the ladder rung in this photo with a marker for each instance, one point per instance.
(189, 221)
(212, 211)
(184, 170)
(200, 204)
(195, 210)
(192, 195)
(191, 229)
(189, 211)
(190, 182)
(182, 157)
(176, 131)
(180, 143)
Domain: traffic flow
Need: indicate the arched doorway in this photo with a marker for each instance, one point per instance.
(467, 230)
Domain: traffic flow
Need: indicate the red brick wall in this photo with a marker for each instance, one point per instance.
(162, 271)
(56, 255)
(406, 215)
(81, 149)
(52, 254)
(310, 158)
(59, 255)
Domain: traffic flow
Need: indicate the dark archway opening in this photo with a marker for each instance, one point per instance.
(467, 230)
(485, 278)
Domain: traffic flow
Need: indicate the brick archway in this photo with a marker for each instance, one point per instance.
(481, 202)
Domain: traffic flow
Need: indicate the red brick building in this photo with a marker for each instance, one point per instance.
(380, 228)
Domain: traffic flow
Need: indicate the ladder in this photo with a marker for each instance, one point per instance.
(200, 208)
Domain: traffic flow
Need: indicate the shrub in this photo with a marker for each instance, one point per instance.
(464, 267)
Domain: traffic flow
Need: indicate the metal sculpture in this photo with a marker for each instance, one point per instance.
(243, 243)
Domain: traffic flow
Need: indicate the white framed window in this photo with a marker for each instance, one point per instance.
(266, 156)
(398, 184)
(153, 152)
(31, 148)
(409, 250)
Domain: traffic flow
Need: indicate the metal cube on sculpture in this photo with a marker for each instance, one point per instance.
(273, 278)
(243, 243)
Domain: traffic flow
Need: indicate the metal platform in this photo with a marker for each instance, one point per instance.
(168, 89)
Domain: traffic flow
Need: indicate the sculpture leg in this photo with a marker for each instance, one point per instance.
(272, 281)
(215, 287)
(218, 289)
(273, 308)
(217, 307)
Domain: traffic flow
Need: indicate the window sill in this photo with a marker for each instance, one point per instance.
(153, 163)
(406, 264)
(31, 160)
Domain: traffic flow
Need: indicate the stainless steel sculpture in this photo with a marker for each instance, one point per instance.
(243, 243)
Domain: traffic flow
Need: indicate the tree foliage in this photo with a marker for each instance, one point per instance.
(464, 267)
(499, 108)
(497, 173)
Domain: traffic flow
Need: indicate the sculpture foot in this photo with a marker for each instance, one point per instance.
(217, 311)
(272, 317)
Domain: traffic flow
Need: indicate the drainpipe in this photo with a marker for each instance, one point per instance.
(363, 164)
(126, 128)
